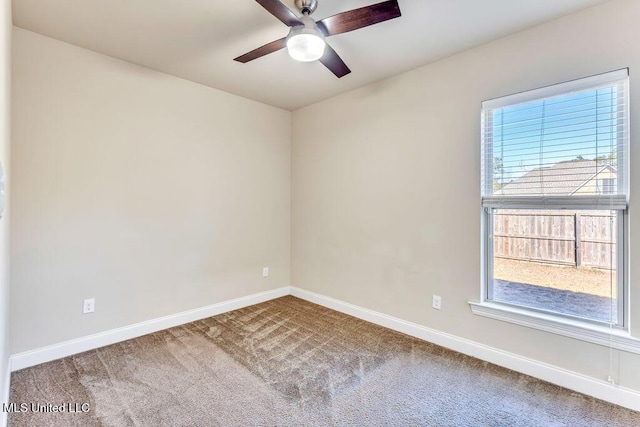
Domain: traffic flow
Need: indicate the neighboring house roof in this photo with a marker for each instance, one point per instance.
(563, 178)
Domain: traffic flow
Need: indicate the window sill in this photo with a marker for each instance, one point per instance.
(584, 331)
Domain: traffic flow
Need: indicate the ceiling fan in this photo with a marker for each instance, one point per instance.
(305, 41)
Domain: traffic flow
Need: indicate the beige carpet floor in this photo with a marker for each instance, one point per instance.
(288, 362)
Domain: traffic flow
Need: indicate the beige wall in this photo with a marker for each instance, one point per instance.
(5, 138)
(386, 184)
(150, 193)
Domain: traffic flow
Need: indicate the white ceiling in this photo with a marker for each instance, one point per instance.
(198, 39)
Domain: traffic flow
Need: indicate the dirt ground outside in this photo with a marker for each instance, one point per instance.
(587, 280)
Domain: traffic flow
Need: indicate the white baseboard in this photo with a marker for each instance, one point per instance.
(46, 354)
(574, 381)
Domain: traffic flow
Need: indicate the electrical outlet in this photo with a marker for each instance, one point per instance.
(437, 302)
(89, 306)
(265, 271)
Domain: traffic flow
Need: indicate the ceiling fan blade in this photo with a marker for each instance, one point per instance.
(280, 11)
(262, 50)
(334, 63)
(359, 18)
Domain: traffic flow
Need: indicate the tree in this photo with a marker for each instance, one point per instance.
(608, 159)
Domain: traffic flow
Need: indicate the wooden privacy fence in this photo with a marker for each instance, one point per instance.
(583, 238)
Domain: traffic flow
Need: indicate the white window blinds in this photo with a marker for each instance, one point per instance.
(562, 146)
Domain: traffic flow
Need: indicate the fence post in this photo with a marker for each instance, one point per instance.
(578, 240)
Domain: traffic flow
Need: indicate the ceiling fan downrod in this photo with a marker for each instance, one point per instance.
(306, 7)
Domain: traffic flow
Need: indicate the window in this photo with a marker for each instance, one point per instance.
(554, 198)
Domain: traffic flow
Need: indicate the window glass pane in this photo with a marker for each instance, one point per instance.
(552, 146)
(546, 143)
(561, 261)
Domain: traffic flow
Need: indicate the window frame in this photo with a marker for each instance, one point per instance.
(615, 335)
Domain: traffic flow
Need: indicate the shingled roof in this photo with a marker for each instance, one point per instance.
(563, 178)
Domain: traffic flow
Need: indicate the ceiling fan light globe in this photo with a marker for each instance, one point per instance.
(305, 47)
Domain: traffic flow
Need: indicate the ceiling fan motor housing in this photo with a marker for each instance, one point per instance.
(306, 7)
